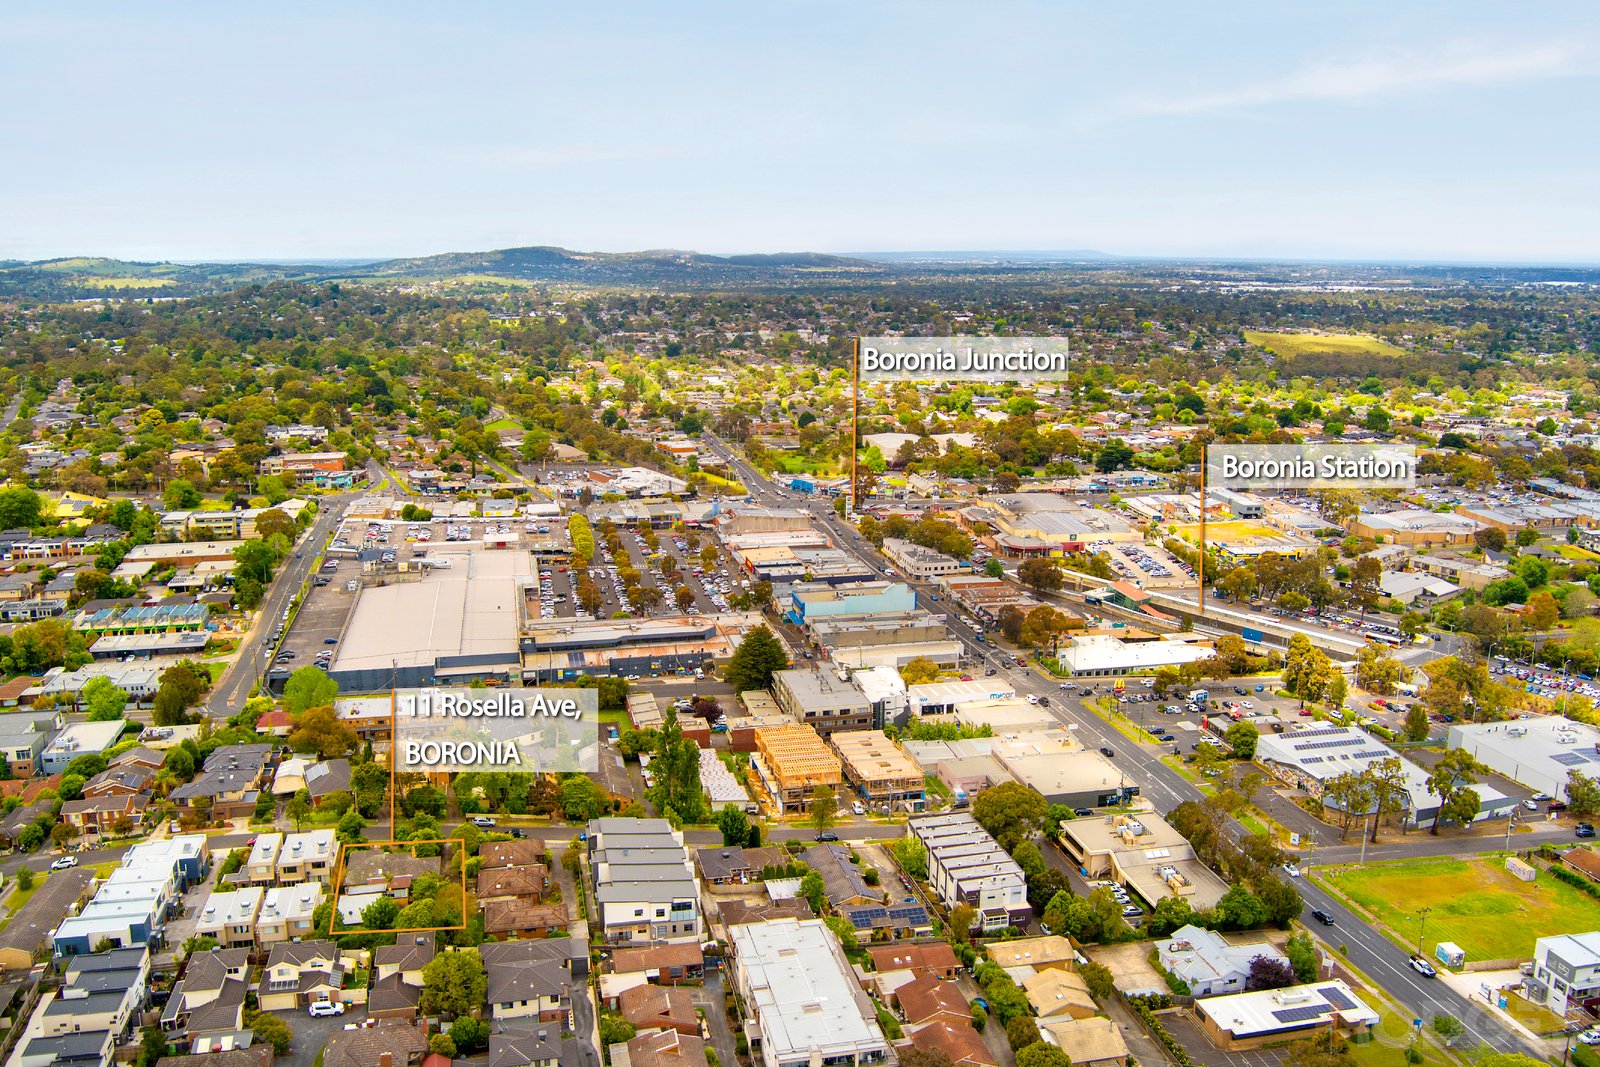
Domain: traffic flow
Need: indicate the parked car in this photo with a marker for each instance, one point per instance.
(482, 821)
(324, 1008)
(1584, 830)
(1082, 812)
(827, 835)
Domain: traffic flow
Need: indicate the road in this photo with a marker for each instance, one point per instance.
(1370, 951)
(228, 696)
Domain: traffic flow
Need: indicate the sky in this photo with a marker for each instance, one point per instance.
(1456, 131)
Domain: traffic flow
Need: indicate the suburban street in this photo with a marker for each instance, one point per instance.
(228, 696)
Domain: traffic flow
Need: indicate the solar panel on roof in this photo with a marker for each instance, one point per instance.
(1335, 996)
(1312, 759)
(1301, 1013)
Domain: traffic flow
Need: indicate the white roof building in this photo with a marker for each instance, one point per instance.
(1538, 752)
(801, 997)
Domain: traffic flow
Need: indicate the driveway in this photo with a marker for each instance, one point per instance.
(310, 1034)
(1182, 1026)
(710, 997)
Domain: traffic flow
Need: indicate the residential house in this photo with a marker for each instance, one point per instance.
(261, 866)
(392, 1043)
(229, 916)
(661, 964)
(927, 999)
(288, 912)
(24, 736)
(96, 817)
(654, 1007)
(517, 917)
(1092, 1041)
(12, 825)
(660, 1048)
(1058, 992)
(1208, 963)
(841, 878)
(308, 857)
(397, 979)
(959, 1041)
(299, 973)
(736, 866)
(533, 1047)
(527, 982)
(210, 996)
(229, 783)
(96, 1006)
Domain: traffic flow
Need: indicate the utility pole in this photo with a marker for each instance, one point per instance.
(855, 422)
(1200, 562)
(1365, 833)
(1422, 927)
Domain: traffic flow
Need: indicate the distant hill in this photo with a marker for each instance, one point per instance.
(986, 258)
(82, 277)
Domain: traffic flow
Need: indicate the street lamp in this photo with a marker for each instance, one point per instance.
(1570, 1029)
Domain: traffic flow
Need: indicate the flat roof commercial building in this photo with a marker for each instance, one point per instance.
(1145, 854)
(816, 600)
(79, 739)
(555, 650)
(823, 700)
(941, 698)
(1054, 765)
(1268, 1016)
(878, 772)
(967, 866)
(791, 760)
(447, 625)
(922, 564)
(1100, 656)
(802, 1002)
(1308, 758)
(1538, 752)
(1416, 526)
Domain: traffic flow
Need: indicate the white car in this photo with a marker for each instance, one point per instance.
(1032, 699)
(1291, 870)
(323, 1009)
(64, 862)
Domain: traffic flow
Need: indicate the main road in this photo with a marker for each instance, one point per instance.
(1370, 951)
(228, 696)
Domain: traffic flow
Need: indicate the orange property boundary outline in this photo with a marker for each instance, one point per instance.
(338, 880)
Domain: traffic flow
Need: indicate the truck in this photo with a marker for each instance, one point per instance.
(1199, 697)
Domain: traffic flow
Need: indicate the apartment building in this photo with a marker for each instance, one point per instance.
(645, 889)
(822, 700)
(802, 1003)
(967, 866)
(230, 917)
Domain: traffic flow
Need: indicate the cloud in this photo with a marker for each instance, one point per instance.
(1391, 73)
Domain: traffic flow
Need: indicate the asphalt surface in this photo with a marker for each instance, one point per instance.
(228, 696)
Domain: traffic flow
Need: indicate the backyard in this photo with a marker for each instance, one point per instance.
(1477, 904)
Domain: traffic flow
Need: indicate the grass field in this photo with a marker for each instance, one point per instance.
(800, 465)
(1223, 531)
(1476, 904)
(1289, 345)
(503, 424)
(126, 283)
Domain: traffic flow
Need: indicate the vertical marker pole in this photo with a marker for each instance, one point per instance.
(1200, 564)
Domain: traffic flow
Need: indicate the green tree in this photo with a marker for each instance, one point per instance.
(912, 856)
(734, 825)
(754, 662)
(918, 670)
(1302, 954)
(1583, 795)
(308, 687)
(299, 810)
(824, 807)
(270, 1030)
(582, 800)
(454, 983)
(103, 700)
(1011, 812)
(815, 892)
(1242, 738)
(1452, 776)
(381, 913)
(1416, 723)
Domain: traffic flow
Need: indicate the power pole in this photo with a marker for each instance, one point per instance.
(1200, 563)
(855, 423)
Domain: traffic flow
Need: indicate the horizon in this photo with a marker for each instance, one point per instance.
(1081, 257)
(1253, 133)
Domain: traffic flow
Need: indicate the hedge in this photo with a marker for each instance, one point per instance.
(1142, 1007)
(1573, 878)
